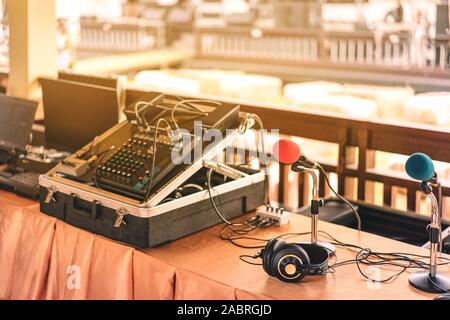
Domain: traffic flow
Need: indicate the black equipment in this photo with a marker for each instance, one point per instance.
(24, 183)
(16, 120)
(144, 181)
(291, 262)
(149, 152)
(129, 170)
(75, 113)
(4, 157)
(334, 211)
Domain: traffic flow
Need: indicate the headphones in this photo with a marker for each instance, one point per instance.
(291, 262)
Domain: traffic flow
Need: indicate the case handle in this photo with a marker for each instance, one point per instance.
(83, 212)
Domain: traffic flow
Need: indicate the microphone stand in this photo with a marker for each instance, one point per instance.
(431, 280)
(439, 187)
(316, 203)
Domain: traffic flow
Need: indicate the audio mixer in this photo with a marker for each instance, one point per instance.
(129, 170)
(128, 162)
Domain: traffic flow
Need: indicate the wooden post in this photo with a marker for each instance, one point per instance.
(32, 47)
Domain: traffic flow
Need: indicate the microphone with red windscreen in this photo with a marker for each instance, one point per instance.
(288, 152)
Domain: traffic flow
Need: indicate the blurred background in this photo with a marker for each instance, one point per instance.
(302, 47)
(376, 60)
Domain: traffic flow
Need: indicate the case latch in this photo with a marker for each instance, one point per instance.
(50, 195)
(121, 213)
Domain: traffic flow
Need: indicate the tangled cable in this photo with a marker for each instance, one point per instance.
(363, 257)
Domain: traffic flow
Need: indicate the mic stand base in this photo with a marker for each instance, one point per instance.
(423, 281)
(331, 248)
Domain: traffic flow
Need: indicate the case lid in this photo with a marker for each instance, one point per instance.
(223, 116)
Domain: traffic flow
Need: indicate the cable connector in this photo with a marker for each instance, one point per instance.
(277, 215)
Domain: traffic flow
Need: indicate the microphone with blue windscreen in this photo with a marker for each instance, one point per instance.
(419, 166)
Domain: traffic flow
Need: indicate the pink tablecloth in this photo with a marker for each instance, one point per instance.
(43, 258)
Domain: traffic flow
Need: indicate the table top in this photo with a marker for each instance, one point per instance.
(205, 254)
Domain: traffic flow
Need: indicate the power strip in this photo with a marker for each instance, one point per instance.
(277, 215)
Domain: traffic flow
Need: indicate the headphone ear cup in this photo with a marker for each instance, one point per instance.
(304, 253)
(268, 253)
(289, 262)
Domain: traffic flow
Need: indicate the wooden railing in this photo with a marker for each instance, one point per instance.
(368, 137)
(355, 170)
(358, 49)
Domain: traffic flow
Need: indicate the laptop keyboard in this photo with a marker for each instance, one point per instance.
(26, 178)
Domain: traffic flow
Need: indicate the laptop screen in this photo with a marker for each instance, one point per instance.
(75, 113)
(16, 121)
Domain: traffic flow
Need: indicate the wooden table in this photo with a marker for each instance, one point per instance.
(206, 254)
(202, 261)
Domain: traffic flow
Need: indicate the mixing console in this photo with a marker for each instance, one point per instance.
(129, 170)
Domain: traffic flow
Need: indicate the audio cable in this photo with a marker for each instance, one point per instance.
(234, 229)
(355, 212)
(155, 142)
(243, 128)
(364, 256)
(198, 112)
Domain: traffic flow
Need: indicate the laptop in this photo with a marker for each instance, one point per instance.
(75, 113)
(16, 121)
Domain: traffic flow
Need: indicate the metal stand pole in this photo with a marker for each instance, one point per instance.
(432, 281)
(316, 203)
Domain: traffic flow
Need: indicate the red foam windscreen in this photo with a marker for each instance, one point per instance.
(286, 151)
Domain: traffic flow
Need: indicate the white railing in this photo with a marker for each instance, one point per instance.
(120, 36)
(359, 48)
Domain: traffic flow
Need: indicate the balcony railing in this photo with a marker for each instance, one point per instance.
(359, 49)
(356, 171)
(106, 36)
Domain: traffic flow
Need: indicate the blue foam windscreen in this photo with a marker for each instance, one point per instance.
(419, 166)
